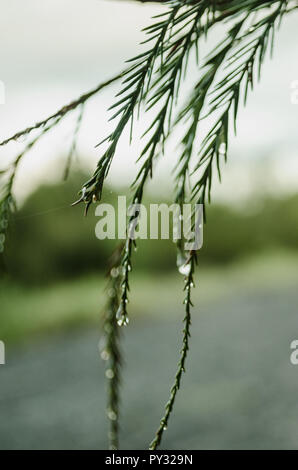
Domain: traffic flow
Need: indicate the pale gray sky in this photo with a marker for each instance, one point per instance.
(53, 50)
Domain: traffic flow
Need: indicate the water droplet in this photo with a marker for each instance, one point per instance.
(185, 269)
(121, 315)
(120, 312)
(112, 415)
(114, 272)
(123, 321)
(222, 148)
(110, 374)
(105, 355)
(111, 293)
(165, 428)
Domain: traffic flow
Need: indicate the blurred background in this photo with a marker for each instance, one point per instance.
(240, 388)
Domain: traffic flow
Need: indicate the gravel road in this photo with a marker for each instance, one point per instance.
(240, 390)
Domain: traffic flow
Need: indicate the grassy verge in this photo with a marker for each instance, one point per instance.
(28, 313)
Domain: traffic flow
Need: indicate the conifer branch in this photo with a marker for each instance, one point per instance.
(164, 86)
(132, 93)
(74, 142)
(250, 51)
(111, 352)
(62, 112)
(189, 283)
(153, 80)
(197, 103)
(7, 200)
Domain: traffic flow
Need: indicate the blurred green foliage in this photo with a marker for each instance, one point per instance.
(51, 240)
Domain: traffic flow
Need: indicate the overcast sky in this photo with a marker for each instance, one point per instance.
(53, 50)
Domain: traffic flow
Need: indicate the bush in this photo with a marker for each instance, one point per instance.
(50, 240)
